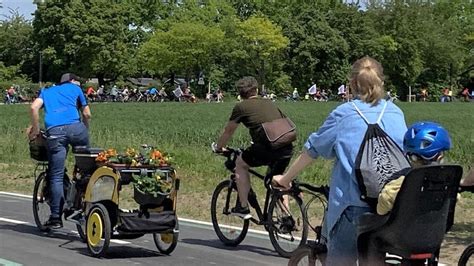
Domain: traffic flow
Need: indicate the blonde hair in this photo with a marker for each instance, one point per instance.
(367, 80)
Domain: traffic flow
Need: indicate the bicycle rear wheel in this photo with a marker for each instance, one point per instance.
(287, 228)
(41, 201)
(231, 230)
(467, 257)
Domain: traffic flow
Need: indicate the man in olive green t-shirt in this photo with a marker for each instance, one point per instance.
(252, 112)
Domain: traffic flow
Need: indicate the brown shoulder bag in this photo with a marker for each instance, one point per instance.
(280, 132)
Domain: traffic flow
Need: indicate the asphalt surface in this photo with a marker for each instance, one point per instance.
(21, 243)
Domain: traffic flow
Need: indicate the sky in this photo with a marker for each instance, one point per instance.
(24, 7)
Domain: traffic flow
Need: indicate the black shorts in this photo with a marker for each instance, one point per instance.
(260, 155)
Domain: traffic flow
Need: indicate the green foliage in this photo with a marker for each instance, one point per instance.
(8, 73)
(16, 55)
(417, 42)
(152, 184)
(262, 40)
(86, 37)
(262, 36)
(280, 85)
(186, 48)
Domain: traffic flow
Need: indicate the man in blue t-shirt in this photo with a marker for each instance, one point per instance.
(63, 128)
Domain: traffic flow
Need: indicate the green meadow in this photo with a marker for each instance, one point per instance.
(187, 130)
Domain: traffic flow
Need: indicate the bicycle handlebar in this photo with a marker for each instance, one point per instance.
(324, 190)
(466, 189)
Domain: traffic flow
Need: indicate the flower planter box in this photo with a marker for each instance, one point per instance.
(147, 199)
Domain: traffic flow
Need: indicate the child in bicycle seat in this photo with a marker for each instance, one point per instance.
(425, 144)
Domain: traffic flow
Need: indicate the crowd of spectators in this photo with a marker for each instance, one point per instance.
(184, 93)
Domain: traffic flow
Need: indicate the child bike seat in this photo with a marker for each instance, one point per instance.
(422, 213)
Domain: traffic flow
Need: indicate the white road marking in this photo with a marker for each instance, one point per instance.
(12, 221)
(192, 221)
(121, 242)
(8, 263)
(16, 194)
(260, 232)
(116, 241)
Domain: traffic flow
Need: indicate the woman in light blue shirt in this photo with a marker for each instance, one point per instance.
(340, 137)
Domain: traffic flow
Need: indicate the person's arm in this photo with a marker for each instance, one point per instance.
(86, 115)
(86, 111)
(227, 134)
(320, 143)
(388, 195)
(296, 167)
(468, 180)
(34, 112)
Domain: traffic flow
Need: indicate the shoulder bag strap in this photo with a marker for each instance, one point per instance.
(281, 113)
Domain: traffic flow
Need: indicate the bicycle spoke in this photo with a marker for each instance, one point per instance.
(288, 229)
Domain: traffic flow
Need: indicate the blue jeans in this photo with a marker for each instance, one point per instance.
(58, 139)
(342, 240)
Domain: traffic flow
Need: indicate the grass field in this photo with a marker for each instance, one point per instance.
(187, 130)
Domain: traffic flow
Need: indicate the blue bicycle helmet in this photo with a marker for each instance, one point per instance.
(426, 139)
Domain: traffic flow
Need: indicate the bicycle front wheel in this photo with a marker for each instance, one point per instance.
(467, 257)
(41, 201)
(302, 256)
(287, 228)
(231, 230)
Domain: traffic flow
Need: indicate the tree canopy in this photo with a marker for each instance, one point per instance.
(419, 43)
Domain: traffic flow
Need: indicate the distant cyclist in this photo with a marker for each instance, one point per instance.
(252, 111)
(63, 128)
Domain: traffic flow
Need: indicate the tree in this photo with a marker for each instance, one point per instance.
(262, 40)
(428, 41)
(15, 41)
(86, 37)
(186, 48)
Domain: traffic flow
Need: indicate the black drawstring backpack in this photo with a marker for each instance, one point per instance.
(378, 161)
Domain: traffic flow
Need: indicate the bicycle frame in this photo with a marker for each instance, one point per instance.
(252, 197)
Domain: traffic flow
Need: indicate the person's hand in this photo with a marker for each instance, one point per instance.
(216, 149)
(468, 180)
(279, 182)
(33, 133)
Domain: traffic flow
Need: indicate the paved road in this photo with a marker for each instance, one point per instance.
(21, 243)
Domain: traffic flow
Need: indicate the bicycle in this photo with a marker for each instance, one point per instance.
(441, 180)
(73, 192)
(282, 218)
(467, 256)
(314, 250)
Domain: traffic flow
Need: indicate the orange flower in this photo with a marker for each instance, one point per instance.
(155, 154)
(101, 157)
